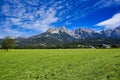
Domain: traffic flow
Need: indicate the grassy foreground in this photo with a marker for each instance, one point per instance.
(60, 64)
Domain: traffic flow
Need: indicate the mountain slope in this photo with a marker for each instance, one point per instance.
(53, 36)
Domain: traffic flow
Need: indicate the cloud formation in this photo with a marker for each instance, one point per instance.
(111, 23)
(25, 16)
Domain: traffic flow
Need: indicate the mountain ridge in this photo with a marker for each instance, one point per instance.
(61, 35)
(84, 33)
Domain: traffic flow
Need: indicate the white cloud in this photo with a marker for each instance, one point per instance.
(44, 22)
(106, 3)
(111, 23)
(10, 32)
(37, 20)
(25, 16)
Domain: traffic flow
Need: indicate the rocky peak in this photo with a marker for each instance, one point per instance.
(106, 33)
(116, 33)
(63, 28)
(59, 30)
(52, 30)
(117, 29)
(82, 30)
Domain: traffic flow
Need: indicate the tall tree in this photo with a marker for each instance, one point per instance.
(8, 43)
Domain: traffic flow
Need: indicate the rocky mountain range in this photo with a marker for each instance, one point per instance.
(60, 36)
(80, 33)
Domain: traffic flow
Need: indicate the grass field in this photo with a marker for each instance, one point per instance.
(60, 64)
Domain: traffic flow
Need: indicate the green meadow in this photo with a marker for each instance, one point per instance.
(60, 64)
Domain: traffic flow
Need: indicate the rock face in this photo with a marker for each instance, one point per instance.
(116, 33)
(85, 33)
(59, 30)
(106, 33)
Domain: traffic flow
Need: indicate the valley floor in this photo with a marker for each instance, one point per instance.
(60, 64)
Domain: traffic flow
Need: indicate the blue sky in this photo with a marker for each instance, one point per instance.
(30, 17)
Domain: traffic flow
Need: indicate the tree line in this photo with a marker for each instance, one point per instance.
(9, 43)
